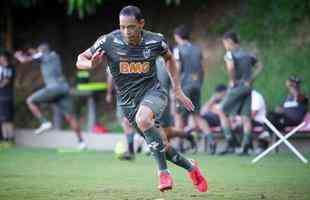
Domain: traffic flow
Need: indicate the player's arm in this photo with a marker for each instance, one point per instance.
(258, 67)
(110, 87)
(208, 105)
(173, 72)
(230, 68)
(231, 72)
(93, 56)
(25, 58)
(4, 82)
(88, 60)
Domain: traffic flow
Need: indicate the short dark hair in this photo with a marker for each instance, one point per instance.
(183, 31)
(231, 35)
(45, 45)
(220, 88)
(132, 11)
(295, 79)
(6, 53)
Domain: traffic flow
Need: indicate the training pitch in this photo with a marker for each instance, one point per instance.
(39, 174)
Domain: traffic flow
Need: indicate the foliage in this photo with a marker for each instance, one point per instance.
(277, 32)
(83, 6)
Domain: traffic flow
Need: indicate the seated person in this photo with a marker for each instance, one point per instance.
(209, 111)
(294, 107)
(258, 112)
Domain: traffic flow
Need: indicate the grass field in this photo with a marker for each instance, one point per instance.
(46, 174)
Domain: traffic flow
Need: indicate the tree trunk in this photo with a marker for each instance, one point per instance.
(8, 26)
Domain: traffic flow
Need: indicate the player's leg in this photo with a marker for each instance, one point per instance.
(167, 132)
(129, 133)
(247, 125)
(151, 108)
(229, 106)
(8, 131)
(184, 116)
(40, 96)
(203, 125)
(65, 104)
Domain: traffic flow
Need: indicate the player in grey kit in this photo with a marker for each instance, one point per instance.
(131, 53)
(56, 89)
(243, 68)
(189, 57)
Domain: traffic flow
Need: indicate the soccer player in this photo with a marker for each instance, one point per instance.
(189, 59)
(243, 68)
(131, 52)
(7, 75)
(168, 130)
(127, 128)
(56, 89)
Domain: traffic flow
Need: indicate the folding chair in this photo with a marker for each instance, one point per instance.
(283, 139)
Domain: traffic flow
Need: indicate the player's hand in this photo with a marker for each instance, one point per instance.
(247, 83)
(18, 54)
(97, 58)
(180, 96)
(108, 98)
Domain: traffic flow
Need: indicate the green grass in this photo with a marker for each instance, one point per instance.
(46, 174)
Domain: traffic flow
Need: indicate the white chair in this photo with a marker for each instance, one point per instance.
(283, 139)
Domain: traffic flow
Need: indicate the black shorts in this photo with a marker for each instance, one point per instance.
(212, 119)
(6, 110)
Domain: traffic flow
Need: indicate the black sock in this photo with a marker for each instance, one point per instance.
(130, 142)
(173, 156)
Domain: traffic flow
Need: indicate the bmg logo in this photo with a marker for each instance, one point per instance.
(134, 67)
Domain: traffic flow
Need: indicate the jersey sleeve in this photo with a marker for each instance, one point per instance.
(37, 56)
(254, 60)
(163, 46)
(176, 53)
(228, 57)
(99, 45)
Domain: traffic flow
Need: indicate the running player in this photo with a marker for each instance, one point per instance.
(131, 53)
(56, 90)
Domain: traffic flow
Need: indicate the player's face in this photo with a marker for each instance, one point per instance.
(228, 44)
(131, 28)
(3, 60)
(221, 94)
(290, 85)
(177, 38)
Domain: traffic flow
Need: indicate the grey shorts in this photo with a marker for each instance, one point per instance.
(156, 99)
(194, 94)
(237, 101)
(58, 94)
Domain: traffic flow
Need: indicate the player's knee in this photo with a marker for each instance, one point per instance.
(143, 122)
(29, 101)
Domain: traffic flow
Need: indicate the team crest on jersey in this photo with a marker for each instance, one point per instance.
(146, 53)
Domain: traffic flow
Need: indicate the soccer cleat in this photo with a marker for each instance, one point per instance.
(127, 156)
(165, 181)
(82, 146)
(212, 147)
(198, 179)
(43, 128)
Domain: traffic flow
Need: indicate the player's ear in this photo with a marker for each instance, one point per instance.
(141, 23)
